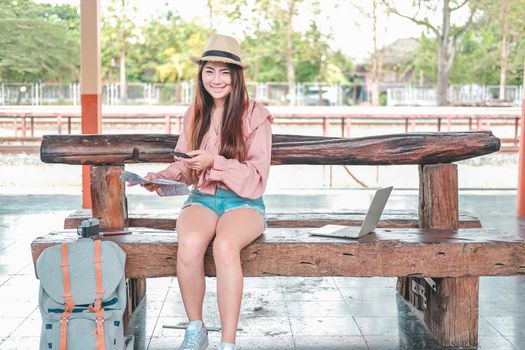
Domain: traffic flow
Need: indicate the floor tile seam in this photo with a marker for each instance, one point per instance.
(291, 332)
(366, 342)
(20, 324)
(14, 275)
(510, 341)
(7, 280)
(26, 265)
(282, 295)
(7, 246)
(346, 303)
(348, 306)
(360, 331)
(338, 287)
(494, 328)
(281, 282)
(287, 315)
(149, 336)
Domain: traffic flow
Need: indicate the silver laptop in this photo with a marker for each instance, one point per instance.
(369, 224)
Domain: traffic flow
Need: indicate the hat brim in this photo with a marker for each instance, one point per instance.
(198, 60)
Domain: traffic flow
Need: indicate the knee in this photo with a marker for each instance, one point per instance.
(225, 252)
(191, 250)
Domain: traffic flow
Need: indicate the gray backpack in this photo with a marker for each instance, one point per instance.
(82, 296)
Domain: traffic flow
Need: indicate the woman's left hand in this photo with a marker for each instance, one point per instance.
(200, 160)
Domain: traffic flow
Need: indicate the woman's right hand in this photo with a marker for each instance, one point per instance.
(152, 187)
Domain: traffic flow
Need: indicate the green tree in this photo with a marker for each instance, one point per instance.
(447, 33)
(163, 51)
(261, 45)
(371, 9)
(168, 44)
(118, 35)
(424, 61)
(262, 52)
(272, 46)
(317, 61)
(39, 42)
(278, 15)
(479, 57)
(474, 62)
(506, 18)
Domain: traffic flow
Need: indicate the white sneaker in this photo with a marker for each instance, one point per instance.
(226, 346)
(195, 337)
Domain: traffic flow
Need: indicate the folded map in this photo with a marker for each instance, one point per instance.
(167, 188)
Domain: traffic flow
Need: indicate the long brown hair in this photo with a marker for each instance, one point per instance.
(231, 135)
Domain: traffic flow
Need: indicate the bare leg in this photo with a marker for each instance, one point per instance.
(195, 229)
(235, 230)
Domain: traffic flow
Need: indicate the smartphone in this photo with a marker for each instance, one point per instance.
(180, 154)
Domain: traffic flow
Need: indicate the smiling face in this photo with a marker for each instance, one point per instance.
(217, 80)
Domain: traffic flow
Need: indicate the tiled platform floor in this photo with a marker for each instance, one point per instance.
(277, 312)
(289, 313)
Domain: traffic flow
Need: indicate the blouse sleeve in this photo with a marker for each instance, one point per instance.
(248, 178)
(177, 170)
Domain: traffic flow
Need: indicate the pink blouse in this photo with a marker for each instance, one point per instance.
(247, 178)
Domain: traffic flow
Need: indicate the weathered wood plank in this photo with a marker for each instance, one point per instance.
(451, 310)
(452, 313)
(438, 208)
(438, 196)
(108, 197)
(292, 252)
(389, 219)
(410, 148)
(136, 290)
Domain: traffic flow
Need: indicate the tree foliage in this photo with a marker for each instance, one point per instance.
(447, 31)
(478, 55)
(39, 42)
(170, 43)
(158, 50)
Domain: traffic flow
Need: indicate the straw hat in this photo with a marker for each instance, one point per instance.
(221, 48)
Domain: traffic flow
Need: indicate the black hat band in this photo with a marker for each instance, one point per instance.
(221, 53)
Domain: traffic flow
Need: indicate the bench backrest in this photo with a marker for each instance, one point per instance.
(395, 149)
(433, 152)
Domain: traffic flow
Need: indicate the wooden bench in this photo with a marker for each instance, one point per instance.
(439, 265)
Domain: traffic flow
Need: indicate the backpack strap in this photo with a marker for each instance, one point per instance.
(69, 303)
(97, 307)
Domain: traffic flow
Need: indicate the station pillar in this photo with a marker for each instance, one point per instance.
(90, 79)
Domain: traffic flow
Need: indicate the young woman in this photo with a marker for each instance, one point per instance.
(229, 140)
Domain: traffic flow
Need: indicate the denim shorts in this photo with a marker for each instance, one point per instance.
(223, 201)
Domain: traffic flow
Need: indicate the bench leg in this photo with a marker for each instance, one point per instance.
(404, 288)
(452, 312)
(438, 209)
(108, 196)
(136, 292)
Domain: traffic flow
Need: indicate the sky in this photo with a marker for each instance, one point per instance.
(348, 25)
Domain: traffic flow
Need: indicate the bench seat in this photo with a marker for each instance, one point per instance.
(292, 252)
(303, 218)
